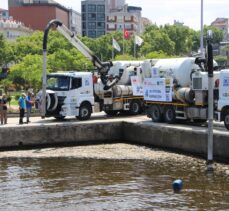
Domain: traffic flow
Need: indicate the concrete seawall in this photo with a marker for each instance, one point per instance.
(185, 139)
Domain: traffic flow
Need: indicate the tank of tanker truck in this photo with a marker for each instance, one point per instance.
(177, 68)
(127, 68)
(146, 67)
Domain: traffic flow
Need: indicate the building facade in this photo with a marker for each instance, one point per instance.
(125, 17)
(37, 13)
(93, 18)
(11, 29)
(222, 24)
(75, 22)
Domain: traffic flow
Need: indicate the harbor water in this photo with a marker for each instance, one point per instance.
(109, 177)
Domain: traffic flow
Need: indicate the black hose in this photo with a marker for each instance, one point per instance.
(53, 23)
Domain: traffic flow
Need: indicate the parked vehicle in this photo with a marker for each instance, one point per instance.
(178, 89)
(79, 94)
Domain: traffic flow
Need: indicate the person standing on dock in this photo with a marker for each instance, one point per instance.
(21, 103)
(29, 104)
(3, 110)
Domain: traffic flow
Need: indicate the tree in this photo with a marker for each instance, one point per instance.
(156, 39)
(226, 50)
(182, 36)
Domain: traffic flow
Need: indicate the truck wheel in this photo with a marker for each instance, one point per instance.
(59, 117)
(111, 112)
(135, 107)
(155, 113)
(84, 112)
(226, 119)
(170, 115)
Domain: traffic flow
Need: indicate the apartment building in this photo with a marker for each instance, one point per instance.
(121, 16)
(12, 29)
(37, 13)
(93, 17)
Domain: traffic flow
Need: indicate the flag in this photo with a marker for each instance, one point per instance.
(115, 45)
(126, 34)
(138, 40)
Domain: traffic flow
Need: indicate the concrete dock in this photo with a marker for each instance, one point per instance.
(185, 138)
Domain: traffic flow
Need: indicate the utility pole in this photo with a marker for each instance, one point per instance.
(210, 101)
(201, 30)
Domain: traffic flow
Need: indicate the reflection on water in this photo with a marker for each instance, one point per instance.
(89, 184)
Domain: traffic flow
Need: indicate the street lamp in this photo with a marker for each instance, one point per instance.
(202, 30)
(210, 100)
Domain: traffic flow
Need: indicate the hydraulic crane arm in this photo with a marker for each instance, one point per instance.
(103, 67)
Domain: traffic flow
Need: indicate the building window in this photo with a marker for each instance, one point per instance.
(100, 33)
(111, 26)
(100, 25)
(128, 26)
(100, 8)
(84, 33)
(111, 18)
(91, 25)
(91, 8)
(84, 18)
(128, 18)
(83, 8)
(84, 25)
(92, 34)
(91, 16)
(119, 18)
(120, 26)
(101, 17)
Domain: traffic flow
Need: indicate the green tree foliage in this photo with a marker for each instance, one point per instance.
(156, 39)
(6, 52)
(28, 72)
(182, 36)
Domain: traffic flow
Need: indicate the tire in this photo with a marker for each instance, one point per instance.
(170, 115)
(111, 112)
(155, 113)
(200, 121)
(84, 112)
(135, 107)
(59, 117)
(226, 119)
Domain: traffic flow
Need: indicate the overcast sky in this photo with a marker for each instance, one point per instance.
(166, 11)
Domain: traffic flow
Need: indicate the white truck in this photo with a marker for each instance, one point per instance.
(178, 89)
(81, 93)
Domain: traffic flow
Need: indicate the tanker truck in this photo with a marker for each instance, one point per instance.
(79, 94)
(177, 89)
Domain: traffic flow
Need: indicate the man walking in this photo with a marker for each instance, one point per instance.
(21, 103)
(29, 104)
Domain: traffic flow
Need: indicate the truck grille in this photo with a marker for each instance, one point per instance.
(197, 83)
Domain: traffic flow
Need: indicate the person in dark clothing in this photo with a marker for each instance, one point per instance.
(4, 109)
(21, 103)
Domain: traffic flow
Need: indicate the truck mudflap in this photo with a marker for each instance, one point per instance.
(217, 116)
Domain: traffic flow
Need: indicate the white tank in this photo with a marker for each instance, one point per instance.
(177, 68)
(121, 90)
(147, 67)
(128, 70)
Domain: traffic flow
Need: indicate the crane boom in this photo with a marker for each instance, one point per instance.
(103, 67)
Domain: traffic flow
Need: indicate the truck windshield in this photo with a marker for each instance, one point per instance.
(58, 83)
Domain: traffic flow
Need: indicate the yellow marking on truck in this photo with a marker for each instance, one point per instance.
(128, 98)
(164, 103)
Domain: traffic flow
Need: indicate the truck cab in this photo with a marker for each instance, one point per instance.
(69, 94)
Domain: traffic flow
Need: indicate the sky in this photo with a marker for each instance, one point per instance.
(166, 11)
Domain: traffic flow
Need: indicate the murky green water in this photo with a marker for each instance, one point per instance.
(90, 184)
